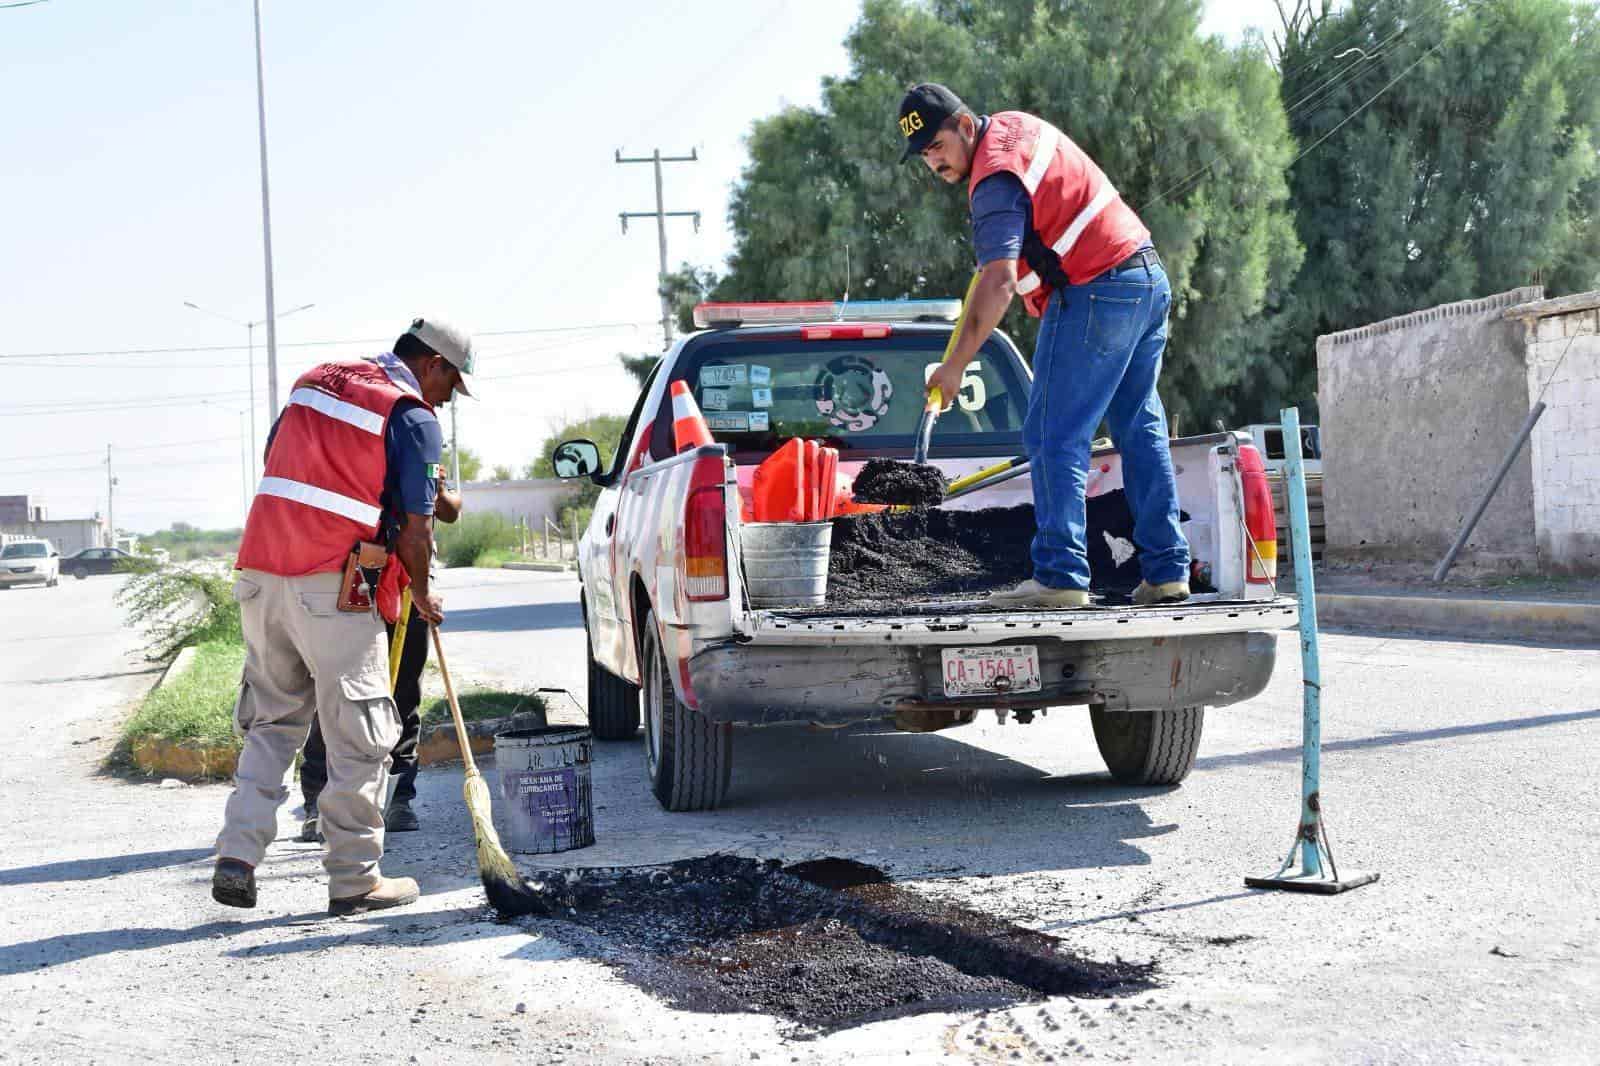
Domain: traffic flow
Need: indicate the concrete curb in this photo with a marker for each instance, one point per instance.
(178, 666)
(548, 568)
(1565, 623)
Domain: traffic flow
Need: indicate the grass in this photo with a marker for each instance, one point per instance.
(494, 558)
(481, 704)
(198, 704)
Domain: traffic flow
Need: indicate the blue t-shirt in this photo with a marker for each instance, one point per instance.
(1002, 213)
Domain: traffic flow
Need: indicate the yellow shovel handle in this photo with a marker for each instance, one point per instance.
(935, 396)
(397, 644)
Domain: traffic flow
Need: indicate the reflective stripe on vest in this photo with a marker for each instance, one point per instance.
(317, 400)
(322, 499)
(1076, 212)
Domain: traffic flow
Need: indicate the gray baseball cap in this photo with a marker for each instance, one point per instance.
(453, 344)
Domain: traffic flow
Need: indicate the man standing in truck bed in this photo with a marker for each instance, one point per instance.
(1049, 226)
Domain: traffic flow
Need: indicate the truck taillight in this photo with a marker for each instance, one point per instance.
(1262, 568)
(705, 538)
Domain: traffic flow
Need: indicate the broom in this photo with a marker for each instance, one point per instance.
(508, 893)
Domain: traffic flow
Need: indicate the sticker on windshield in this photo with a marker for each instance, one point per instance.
(759, 422)
(714, 399)
(716, 377)
(760, 375)
(853, 393)
(761, 397)
(738, 422)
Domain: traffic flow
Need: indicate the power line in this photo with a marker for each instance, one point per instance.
(1364, 106)
(592, 326)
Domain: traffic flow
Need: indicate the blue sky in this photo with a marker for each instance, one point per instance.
(426, 158)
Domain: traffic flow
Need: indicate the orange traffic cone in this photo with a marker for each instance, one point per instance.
(689, 429)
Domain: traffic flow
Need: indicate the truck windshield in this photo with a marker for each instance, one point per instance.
(24, 551)
(863, 397)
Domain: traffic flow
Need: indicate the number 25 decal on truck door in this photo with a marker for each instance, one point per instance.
(973, 394)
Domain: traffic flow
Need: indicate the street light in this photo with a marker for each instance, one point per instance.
(250, 336)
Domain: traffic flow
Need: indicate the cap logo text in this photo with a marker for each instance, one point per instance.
(910, 122)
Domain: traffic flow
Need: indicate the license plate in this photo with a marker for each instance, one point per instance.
(990, 671)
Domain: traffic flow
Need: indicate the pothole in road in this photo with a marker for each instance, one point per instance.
(828, 944)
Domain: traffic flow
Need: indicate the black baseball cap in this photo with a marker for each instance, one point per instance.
(922, 111)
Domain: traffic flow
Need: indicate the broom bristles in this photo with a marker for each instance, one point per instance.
(508, 893)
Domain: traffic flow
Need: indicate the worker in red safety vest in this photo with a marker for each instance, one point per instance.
(1049, 226)
(341, 522)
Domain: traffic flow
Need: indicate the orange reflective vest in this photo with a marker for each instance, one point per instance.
(320, 491)
(1081, 224)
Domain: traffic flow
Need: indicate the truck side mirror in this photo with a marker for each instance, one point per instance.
(575, 459)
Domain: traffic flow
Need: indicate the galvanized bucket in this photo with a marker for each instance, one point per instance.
(545, 788)
(786, 563)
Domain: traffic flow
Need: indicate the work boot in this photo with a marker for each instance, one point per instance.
(1032, 594)
(388, 892)
(233, 883)
(1148, 595)
(311, 828)
(400, 818)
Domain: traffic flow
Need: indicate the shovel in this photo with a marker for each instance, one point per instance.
(930, 413)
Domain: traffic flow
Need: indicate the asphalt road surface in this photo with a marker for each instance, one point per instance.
(1462, 772)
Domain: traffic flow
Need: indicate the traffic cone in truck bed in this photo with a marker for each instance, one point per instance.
(689, 429)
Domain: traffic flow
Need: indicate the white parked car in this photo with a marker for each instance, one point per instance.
(1268, 438)
(29, 561)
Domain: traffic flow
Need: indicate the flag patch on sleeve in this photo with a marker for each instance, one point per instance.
(435, 471)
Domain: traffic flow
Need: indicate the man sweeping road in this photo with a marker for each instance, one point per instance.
(317, 579)
(1049, 226)
(445, 506)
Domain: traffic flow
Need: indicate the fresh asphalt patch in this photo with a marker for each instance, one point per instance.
(827, 945)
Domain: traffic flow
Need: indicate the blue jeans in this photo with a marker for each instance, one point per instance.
(1098, 358)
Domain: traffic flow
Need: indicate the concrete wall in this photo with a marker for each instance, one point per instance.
(533, 499)
(68, 534)
(1563, 363)
(1416, 414)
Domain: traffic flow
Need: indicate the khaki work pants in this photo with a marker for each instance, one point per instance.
(304, 656)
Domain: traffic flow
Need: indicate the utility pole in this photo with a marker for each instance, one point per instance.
(266, 225)
(111, 507)
(661, 214)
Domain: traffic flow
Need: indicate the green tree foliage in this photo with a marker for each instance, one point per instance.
(1188, 129)
(184, 542)
(501, 472)
(461, 542)
(177, 606)
(1472, 173)
(471, 464)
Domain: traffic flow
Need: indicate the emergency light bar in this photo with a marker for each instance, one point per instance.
(724, 315)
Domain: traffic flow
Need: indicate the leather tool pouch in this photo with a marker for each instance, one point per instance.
(361, 572)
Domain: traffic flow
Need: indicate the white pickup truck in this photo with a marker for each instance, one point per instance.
(669, 620)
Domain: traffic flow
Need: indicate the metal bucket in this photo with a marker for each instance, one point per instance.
(786, 563)
(545, 789)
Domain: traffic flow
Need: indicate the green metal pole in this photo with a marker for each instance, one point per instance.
(1305, 589)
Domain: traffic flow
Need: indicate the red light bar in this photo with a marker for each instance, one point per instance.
(852, 332)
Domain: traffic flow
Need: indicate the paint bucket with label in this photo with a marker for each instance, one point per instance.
(786, 563)
(545, 788)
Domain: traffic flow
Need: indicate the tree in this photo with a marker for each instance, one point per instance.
(471, 464)
(1189, 130)
(604, 430)
(1471, 171)
(501, 472)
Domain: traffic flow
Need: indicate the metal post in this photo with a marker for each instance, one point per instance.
(111, 507)
(247, 467)
(266, 223)
(1523, 434)
(455, 448)
(1318, 873)
(1310, 665)
(544, 532)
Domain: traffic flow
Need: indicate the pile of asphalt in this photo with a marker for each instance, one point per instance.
(827, 945)
(898, 557)
(908, 484)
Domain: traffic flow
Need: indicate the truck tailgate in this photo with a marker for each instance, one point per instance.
(975, 622)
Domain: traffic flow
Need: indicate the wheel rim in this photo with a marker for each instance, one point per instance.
(654, 707)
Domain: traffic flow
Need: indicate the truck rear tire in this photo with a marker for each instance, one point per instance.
(689, 757)
(1148, 747)
(613, 703)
